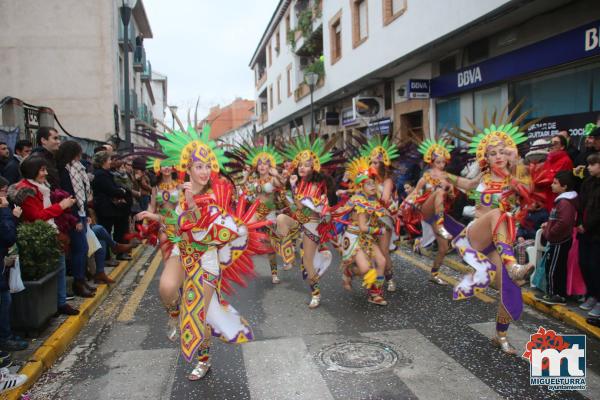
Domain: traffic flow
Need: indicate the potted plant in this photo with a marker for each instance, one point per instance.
(39, 253)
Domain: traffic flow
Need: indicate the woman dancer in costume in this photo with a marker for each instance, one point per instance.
(361, 254)
(262, 184)
(431, 197)
(161, 211)
(308, 201)
(380, 153)
(213, 241)
(486, 244)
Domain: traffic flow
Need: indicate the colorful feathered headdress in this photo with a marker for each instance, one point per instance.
(262, 155)
(306, 148)
(380, 149)
(500, 129)
(153, 164)
(184, 148)
(358, 170)
(430, 148)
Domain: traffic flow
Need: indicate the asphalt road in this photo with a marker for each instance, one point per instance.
(423, 345)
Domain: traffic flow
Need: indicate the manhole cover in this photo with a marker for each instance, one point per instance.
(358, 357)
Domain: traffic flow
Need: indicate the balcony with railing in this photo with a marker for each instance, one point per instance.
(139, 58)
(147, 72)
(307, 37)
(317, 67)
(133, 104)
(131, 35)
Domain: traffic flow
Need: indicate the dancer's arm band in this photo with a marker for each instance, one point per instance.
(453, 179)
(374, 231)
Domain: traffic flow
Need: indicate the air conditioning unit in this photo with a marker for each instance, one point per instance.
(367, 108)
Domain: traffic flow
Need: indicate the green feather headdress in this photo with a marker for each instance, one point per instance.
(429, 147)
(502, 128)
(153, 164)
(381, 150)
(263, 154)
(493, 135)
(589, 127)
(303, 150)
(184, 148)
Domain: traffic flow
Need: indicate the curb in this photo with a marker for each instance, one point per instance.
(559, 312)
(53, 347)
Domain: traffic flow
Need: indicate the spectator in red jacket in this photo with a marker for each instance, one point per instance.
(34, 198)
(558, 160)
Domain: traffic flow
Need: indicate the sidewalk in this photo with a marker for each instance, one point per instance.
(571, 314)
(44, 350)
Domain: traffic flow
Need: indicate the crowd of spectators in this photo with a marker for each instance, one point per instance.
(55, 182)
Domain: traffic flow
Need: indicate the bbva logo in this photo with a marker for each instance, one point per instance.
(469, 77)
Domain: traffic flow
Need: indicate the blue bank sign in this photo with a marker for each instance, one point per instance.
(566, 47)
(418, 88)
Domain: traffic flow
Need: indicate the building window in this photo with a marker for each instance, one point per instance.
(269, 55)
(392, 9)
(279, 89)
(488, 101)
(270, 97)
(571, 91)
(335, 37)
(447, 114)
(277, 42)
(289, 80)
(360, 24)
(288, 24)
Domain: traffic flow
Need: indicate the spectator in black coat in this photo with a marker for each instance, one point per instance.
(8, 237)
(48, 141)
(12, 170)
(109, 198)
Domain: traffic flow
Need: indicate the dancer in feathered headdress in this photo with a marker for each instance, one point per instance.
(309, 206)
(261, 183)
(487, 242)
(364, 212)
(213, 240)
(381, 152)
(431, 198)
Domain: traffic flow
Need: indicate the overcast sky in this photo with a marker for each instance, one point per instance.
(204, 47)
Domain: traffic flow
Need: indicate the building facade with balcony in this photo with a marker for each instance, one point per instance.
(415, 68)
(68, 56)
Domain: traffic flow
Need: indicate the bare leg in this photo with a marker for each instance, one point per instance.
(480, 235)
(308, 270)
(429, 209)
(443, 247)
(384, 246)
(169, 287)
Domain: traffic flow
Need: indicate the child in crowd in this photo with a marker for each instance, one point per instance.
(8, 341)
(536, 216)
(558, 232)
(589, 237)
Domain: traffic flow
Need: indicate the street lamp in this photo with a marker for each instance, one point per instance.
(125, 9)
(311, 79)
(173, 113)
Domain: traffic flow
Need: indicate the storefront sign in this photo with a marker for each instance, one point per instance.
(418, 88)
(566, 47)
(380, 127)
(348, 117)
(550, 126)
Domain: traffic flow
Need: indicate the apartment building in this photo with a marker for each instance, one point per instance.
(67, 57)
(233, 123)
(415, 68)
